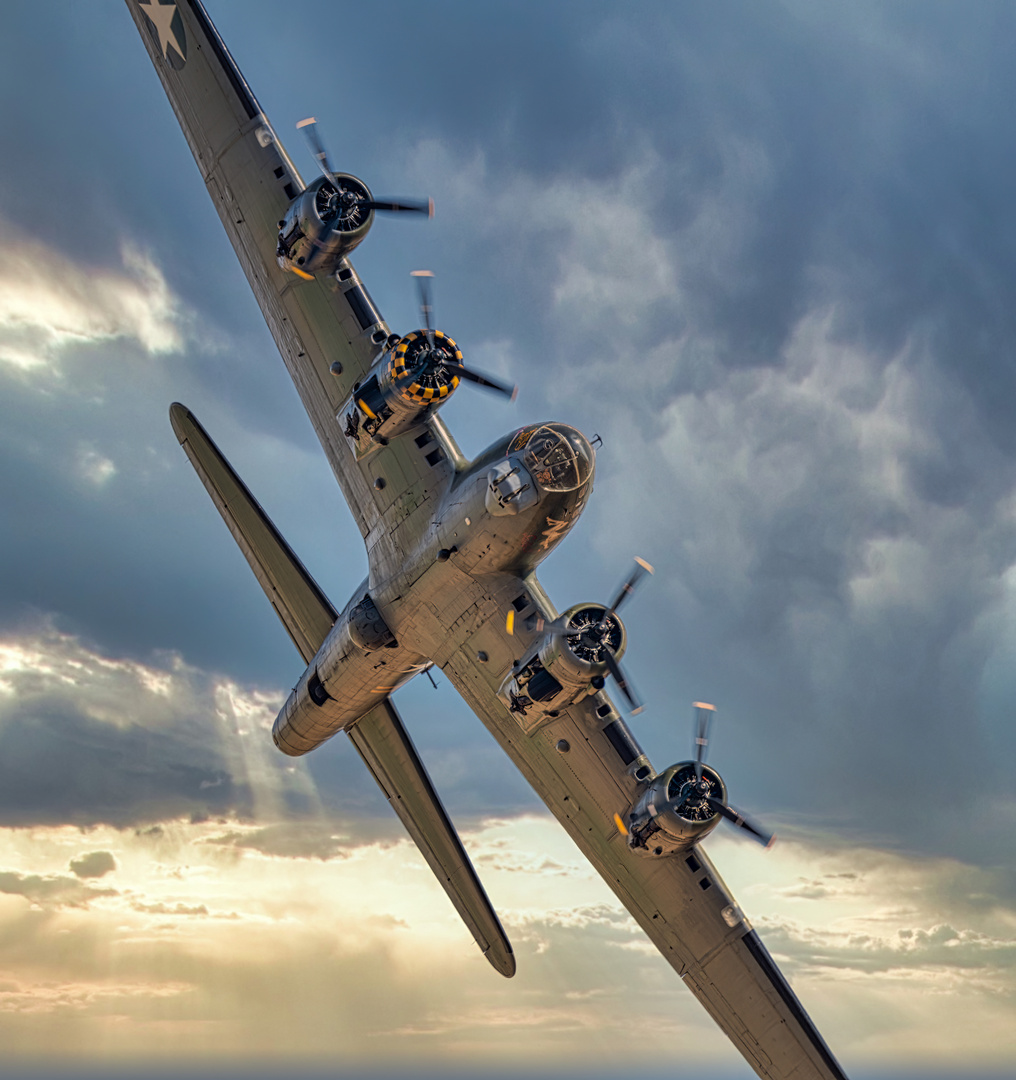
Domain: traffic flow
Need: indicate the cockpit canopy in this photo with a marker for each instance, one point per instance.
(558, 457)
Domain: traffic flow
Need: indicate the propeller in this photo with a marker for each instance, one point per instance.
(703, 787)
(628, 588)
(349, 200)
(317, 147)
(597, 637)
(423, 280)
(703, 722)
(439, 357)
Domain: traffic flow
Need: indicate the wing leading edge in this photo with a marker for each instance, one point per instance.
(581, 762)
(305, 611)
(379, 736)
(388, 752)
(328, 330)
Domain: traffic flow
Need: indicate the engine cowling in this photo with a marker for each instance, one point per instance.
(576, 654)
(414, 380)
(674, 812)
(419, 376)
(324, 224)
(570, 662)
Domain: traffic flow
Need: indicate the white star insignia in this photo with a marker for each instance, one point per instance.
(161, 17)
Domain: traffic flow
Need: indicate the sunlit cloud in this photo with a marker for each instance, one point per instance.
(49, 302)
(217, 921)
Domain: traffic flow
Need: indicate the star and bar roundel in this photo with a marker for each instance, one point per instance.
(166, 26)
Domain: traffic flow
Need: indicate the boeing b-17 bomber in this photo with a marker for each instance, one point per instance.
(452, 550)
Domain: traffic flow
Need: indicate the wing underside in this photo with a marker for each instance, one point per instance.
(329, 330)
(681, 902)
(304, 609)
(389, 754)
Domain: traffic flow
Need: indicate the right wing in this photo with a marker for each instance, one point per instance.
(317, 323)
(581, 761)
(388, 752)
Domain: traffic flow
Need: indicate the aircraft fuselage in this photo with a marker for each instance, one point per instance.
(502, 515)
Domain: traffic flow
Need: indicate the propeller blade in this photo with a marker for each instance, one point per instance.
(399, 207)
(735, 817)
(703, 722)
(510, 392)
(641, 569)
(423, 278)
(622, 683)
(317, 148)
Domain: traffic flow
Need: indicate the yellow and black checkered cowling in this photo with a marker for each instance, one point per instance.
(432, 383)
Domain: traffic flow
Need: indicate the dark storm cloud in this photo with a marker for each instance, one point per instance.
(818, 417)
(766, 252)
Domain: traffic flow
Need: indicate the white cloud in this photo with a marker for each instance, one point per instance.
(209, 927)
(49, 302)
(95, 467)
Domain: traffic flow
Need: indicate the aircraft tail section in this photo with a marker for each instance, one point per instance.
(304, 609)
(388, 752)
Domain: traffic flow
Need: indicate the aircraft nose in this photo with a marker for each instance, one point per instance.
(560, 458)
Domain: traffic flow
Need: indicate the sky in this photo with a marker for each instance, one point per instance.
(768, 254)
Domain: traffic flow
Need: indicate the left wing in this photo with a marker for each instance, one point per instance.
(582, 763)
(305, 611)
(389, 754)
(329, 331)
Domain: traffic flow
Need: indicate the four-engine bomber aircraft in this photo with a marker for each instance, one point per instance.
(452, 547)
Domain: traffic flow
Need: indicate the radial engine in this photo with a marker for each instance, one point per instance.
(327, 220)
(419, 374)
(578, 650)
(684, 803)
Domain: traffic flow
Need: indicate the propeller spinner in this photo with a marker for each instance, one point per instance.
(345, 198)
(685, 802)
(427, 364)
(704, 791)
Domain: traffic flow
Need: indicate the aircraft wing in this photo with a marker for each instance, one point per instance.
(389, 754)
(579, 763)
(316, 324)
(305, 611)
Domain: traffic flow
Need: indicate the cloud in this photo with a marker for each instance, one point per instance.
(49, 302)
(830, 515)
(46, 890)
(91, 739)
(95, 864)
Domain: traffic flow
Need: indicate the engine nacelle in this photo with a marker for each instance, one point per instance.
(569, 663)
(323, 225)
(412, 383)
(674, 813)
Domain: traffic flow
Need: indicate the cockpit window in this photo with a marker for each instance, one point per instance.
(559, 457)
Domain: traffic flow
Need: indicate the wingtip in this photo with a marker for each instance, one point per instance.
(178, 416)
(501, 958)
